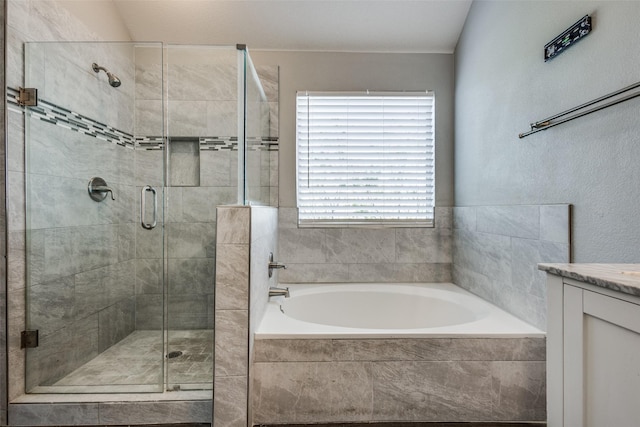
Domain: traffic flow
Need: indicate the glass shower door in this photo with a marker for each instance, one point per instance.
(202, 117)
(94, 177)
(218, 127)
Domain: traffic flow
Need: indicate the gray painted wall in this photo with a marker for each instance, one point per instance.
(503, 84)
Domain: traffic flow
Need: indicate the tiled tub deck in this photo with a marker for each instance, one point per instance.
(398, 380)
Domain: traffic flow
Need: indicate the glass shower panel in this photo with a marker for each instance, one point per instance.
(202, 174)
(259, 151)
(95, 279)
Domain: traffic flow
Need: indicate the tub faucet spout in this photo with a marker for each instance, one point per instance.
(278, 292)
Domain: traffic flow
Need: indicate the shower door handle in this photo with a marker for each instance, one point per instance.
(143, 209)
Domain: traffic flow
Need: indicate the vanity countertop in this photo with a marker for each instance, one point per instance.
(623, 278)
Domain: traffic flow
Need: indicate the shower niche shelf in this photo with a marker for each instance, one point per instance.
(184, 161)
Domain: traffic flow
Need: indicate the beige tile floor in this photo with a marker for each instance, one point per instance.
(138, 360)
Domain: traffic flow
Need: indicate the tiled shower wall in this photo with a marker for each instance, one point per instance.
(365, 254)
(496, 250)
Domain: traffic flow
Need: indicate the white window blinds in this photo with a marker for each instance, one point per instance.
(365, 159)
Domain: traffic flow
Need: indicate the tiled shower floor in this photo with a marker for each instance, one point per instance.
(136, 361)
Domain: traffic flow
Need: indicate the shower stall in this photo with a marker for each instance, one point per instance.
(129, 150)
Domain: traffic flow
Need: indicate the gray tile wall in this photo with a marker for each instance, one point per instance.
(364, 254)
(264, 240)
(246, 235)
(496, 250)
(3, 234)
(68, 72)
(110, 413)
(231, 367)
(400, 380)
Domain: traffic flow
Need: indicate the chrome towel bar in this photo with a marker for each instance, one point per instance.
(552, 121)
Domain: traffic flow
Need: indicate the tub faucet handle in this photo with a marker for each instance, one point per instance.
(274, 265)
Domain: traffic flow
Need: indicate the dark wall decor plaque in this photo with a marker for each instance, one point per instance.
(568, 38)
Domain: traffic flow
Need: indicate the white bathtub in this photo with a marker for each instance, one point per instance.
(398, 310)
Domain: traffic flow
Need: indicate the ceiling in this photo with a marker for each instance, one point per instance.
(311, 25)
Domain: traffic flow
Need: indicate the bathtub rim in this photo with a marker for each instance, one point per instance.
(497, 324)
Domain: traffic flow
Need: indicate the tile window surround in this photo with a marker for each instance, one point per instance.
(365, 254)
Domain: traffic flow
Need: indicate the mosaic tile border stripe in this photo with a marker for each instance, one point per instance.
(60, 116)
(211, 143)
(150, 142)
(214, 143)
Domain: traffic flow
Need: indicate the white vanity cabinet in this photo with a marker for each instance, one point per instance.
(593, 351)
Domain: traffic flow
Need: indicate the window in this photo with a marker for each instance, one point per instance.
(365, 159)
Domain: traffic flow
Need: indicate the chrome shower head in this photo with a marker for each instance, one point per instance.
(113, 80)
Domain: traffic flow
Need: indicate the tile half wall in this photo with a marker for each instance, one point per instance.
(398, 380)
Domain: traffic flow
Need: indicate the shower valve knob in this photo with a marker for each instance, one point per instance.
(98, 189)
